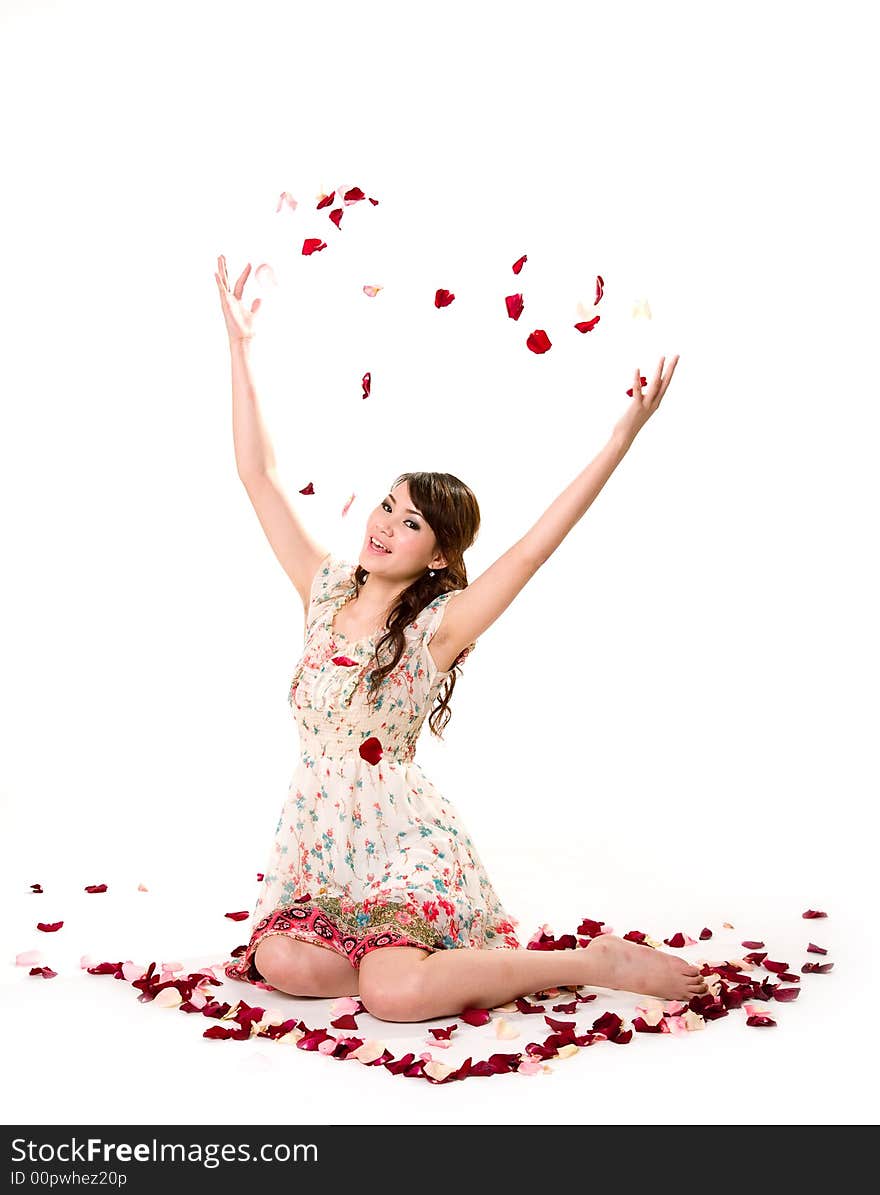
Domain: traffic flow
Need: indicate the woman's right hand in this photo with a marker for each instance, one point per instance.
(239, 321)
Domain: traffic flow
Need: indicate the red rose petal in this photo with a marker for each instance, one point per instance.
(475, 1016)
(812, 948)
(443, 1034)
(539, 341)
(817, 968)
(786, 995)
(36, 888)
(259, 877)
(442, 298)
(312, 245)
(336, 216)
(600, 288)
(760, 1021)
(590, 927)
(676, 940)
(325, 201)
(96, 888)
(46, 972)
(346, 1021)
(370, 750)
(587, 325)
(514, 305)
(770, 965)
(813, 913)
(705, 934)
(49, 927)
(365, 382)
(518, 265)
(752, 945)
(242, 916)
(644, 382)
(344, 661)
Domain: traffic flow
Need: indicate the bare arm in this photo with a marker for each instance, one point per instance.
(469, 613)
(297, 552)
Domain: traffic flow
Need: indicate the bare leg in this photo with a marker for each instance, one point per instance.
(405, 984)
(304, 968)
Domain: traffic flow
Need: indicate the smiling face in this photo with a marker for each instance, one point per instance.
(399, 526)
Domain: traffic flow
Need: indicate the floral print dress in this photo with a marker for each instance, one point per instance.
(367, 852)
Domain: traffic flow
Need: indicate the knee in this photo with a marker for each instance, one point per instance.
(400, 998)
(273, 960)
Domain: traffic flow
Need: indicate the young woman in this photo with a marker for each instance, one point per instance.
(368, 855)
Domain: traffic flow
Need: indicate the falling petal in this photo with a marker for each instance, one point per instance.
(518, 265)
(142, 888)
(515, 306)
(812, 913)
(265, 275)
(371, 750)
(49, 927)
(242, 916)
(36, 888)
(285, 198)
(366, 383)
(727, 925)
(642, 382)
(372, 291)
(641, 310)
(86, 960)
(312, 245)
(96, 888)
(539, 341)
(324, 200)
(705, 934)
(442, 298)
(29, 958)
(336, 216)
(600, 288)
(587, 325)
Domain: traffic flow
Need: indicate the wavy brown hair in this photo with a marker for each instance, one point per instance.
(453, 514)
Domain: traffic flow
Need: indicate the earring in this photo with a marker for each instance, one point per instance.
(430, 572)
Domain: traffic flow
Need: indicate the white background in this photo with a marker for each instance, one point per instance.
(671, 725)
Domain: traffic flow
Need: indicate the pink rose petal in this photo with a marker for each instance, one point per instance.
(29, 958)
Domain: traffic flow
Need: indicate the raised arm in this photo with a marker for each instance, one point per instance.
(470, 612)
(297, 552)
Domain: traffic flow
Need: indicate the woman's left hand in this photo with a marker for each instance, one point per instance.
(646, 402)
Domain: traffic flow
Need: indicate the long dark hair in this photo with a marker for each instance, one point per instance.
(452, 511)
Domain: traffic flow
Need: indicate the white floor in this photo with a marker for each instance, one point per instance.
(82, 1049)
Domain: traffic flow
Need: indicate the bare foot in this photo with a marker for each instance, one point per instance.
(612, 962)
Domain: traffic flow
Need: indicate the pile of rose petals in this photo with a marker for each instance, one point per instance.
(731, 985)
